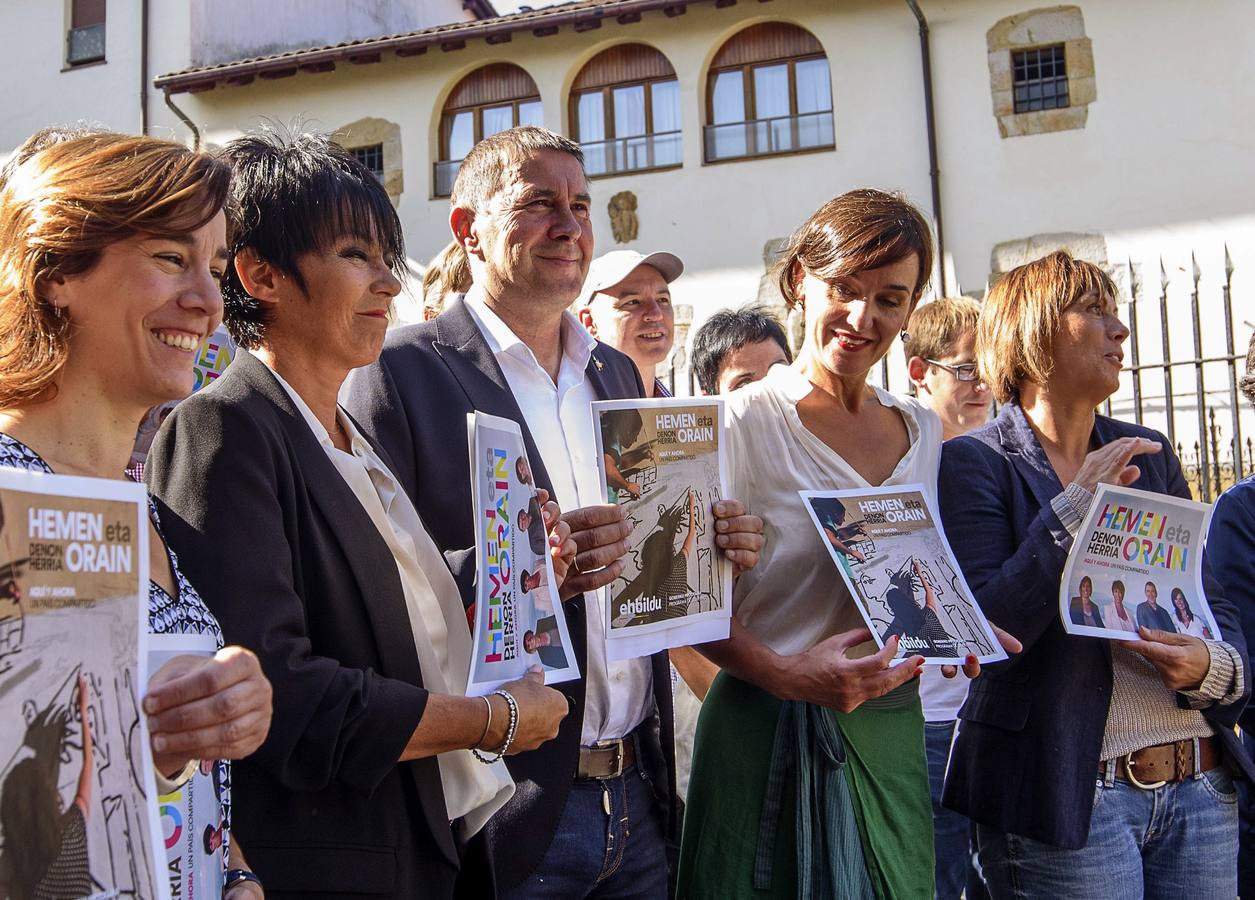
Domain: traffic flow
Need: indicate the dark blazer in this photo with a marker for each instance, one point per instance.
(295, 570)
(1231, 549)
(1026, 755)
(414, 402)
(1077, 611)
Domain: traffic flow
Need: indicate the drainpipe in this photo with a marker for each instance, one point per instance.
(143, 67)
(930, 116)
(185, 120)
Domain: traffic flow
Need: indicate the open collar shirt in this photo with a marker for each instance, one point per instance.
(619, 695)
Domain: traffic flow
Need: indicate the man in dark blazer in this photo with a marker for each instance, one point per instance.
(286, 518)
(605, 786)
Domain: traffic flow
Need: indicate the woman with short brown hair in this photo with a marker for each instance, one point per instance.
(861, 825)
(1090, 767)
(111, 252)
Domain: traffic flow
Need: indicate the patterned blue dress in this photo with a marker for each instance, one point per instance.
(184, 614)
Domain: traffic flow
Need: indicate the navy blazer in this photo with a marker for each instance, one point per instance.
(1026, 756)
(414, 402)
(1231, 549)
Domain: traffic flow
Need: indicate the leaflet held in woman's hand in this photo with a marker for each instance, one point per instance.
(663, 461)
(78, 802)
(889, 547)
(518, 617)
(1137, 561)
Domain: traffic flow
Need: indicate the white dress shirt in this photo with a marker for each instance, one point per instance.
(618, 695)
(794, 597)
(472, 790)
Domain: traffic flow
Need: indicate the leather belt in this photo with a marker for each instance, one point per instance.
(1152, 767)
(606, 759)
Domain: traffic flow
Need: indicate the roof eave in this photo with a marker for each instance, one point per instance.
(542, 22)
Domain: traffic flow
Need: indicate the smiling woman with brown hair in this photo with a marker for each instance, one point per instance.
(111, 252)
(861, 823)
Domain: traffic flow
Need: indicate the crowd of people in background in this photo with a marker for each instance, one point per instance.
(311, 511)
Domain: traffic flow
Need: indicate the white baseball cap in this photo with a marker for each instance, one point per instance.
(609, 269)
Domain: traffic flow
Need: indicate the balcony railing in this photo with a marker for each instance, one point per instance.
(446, 173)
(632, 154)
(85, 44)
(762, 137)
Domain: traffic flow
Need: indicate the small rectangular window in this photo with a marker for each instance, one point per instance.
(85, 38)
(1040, 79)
(371, 157)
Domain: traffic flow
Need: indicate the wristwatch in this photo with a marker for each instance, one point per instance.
(237, 876)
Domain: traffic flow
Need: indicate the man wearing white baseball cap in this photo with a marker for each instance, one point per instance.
(626, 303)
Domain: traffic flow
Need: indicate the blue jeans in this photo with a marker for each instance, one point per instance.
(620, 856)
(1179, 840)
(950, 829)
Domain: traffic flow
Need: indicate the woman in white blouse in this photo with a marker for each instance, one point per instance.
(856, 268)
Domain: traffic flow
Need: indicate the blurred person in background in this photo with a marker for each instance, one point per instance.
(736, 347)
(447, 278)
(626, 303)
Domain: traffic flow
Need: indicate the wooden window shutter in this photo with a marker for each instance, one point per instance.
(494, 83)
(623, 64)
(766, 42)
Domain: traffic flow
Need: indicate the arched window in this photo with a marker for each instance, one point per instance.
(768, 92)
(625, 111)
(490, 99)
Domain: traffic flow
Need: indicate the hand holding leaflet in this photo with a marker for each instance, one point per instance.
(519, 621)
(892, 554)
(1136, 563)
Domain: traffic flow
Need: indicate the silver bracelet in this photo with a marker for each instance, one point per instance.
(509, 732)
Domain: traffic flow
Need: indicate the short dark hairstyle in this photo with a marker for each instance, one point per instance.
(1118, 585)
(728, 331)
(292, 195)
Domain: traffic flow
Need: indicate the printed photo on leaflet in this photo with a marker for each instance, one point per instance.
(892, 554)
(663, 461)
(517, 617)
(1137, 561)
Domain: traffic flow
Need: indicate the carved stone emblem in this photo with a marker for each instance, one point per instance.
(623, 221)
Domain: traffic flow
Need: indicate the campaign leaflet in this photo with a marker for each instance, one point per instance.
(889, 547)
(77, 789)
(519, 621)
(192, 826)
(1137, 560)
(663, 461)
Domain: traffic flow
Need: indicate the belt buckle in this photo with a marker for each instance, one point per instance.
(1133, 779)
(617, 747)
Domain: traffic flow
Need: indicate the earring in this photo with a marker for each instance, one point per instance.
(906, 336)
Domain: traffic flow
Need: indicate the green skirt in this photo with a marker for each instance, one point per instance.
(887, 778)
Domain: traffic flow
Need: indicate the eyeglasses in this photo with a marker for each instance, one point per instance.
(963, 371)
